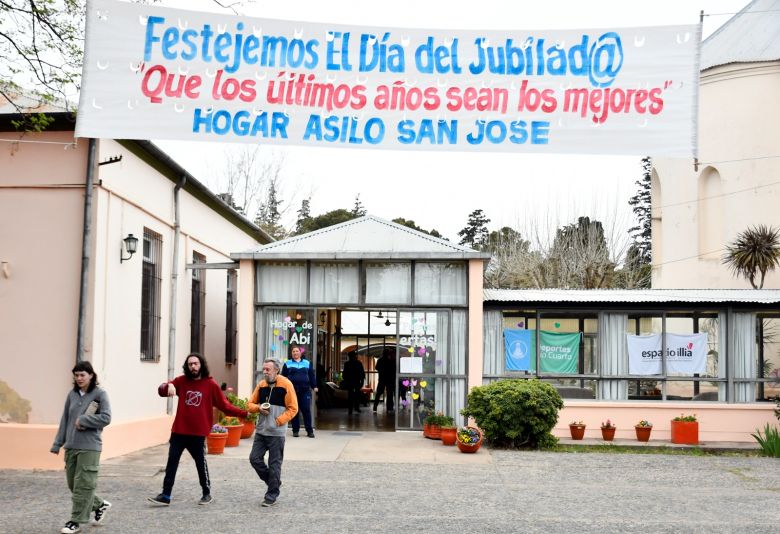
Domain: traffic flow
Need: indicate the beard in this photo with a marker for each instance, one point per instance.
(189, 373)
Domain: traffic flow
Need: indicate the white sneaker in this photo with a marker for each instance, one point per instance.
(70, 528)
(100, 513)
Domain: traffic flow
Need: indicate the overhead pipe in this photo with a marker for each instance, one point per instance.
(174, 285)
(85, 250)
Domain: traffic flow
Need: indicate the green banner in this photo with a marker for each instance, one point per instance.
(560, 353)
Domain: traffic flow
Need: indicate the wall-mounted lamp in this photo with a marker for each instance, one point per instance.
(322, 318)
(131, 246)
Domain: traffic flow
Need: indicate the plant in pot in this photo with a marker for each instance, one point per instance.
(685, 430)
(215, 441)
(469, 439)
(434, 422)
(643, 429)
(249, 421)
(577, 429)
(608, 430)
(234, 427)
(449, 432)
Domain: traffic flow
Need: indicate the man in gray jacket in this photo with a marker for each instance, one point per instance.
(86, 412)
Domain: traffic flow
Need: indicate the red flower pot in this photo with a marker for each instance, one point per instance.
(233, 435)
(470, 447)
(643, 433)
(432, 431)
(248, 429)
(608, 433)
(685, 432)
(215, 443)
(577, 431)
(449, 435)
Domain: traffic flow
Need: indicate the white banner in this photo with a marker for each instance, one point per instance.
(685, 354)
(157, 73)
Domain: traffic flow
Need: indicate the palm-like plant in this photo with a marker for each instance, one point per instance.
(754, 251)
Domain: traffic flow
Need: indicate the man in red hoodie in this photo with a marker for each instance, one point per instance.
(198, 394)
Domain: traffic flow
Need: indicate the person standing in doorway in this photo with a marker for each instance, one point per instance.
(385, 367)
(354, 374)
(86, 412)
(275, 400)
(301, 373)
(198, 395)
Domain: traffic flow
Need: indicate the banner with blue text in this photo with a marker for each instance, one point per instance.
(157, 73)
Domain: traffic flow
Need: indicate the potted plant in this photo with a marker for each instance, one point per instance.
(215, 441)
(434, 422)
(469, 439)
(449, 434)
(643, 429)
(249, 421)
(608, 430)
(577, 429)
(685, 430)
(234, 427)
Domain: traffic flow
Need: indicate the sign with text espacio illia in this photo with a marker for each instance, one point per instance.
(157, 73)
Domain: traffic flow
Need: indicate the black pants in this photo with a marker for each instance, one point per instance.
(387, 387)
(304, 411)
(271, 474)
(195, 445)
(353, 398)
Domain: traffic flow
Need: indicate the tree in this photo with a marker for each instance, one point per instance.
(304, 215)
(247, 173)
(475, 233)
(754, 252)
(640, 205)
(581, 256)
(410, 224)
(326, 219)
(268, 215)
(358, 210)
(504, 270)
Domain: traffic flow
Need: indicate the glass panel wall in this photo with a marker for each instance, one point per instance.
(334, 282)
(438, 283)
(281, 282)
(388, 283)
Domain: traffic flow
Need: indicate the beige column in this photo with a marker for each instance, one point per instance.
(246, 327)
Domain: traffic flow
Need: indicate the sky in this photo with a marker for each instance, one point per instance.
(531, 192)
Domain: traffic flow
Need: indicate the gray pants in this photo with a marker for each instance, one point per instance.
(81, 472)
(272, 473)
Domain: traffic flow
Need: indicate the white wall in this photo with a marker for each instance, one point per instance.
(739, 140)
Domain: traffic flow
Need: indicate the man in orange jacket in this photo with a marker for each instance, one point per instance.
(275, 400)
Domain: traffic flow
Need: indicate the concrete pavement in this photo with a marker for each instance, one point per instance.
(401, 482)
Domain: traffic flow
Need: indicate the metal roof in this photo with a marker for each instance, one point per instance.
(367, 237)
(621, 296)
(751, 35)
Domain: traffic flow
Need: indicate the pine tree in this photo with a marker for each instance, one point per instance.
(269, 215)
(358, 209)
(304, 214)
(475, 234)
(640, 205)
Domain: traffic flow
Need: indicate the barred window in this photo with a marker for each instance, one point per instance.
(231, 326)
(150, 296)
(198, 309)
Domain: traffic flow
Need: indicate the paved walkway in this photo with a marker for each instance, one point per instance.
(401, 482)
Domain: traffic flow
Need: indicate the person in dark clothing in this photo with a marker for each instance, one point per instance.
(353, 376)
(301, 374)
(385, 368)
(198, 394)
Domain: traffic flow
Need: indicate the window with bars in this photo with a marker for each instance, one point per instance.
(231, 327)
(198, 309)
(150, 296)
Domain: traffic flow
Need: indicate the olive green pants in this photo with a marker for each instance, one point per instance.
(81, 471)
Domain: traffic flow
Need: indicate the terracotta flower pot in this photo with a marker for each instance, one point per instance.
(248, 429)
(432, 431)
(577, 431)
(470, 447)
(608, 433)
(685, 432)
(215, 443)
(643, 432)
(233, 435)
(449, 435)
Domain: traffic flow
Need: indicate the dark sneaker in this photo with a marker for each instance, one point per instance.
(70, 528)
(310, 434)
(160, 500)
(206, 499)
(295, 434)
(100, 513)
(268, 503)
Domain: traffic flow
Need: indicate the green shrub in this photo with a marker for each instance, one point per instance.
(439, 419)
(516, 413)
(769, 442)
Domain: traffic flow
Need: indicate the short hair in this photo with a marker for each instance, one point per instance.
(274, 361)
(85, 367)
(204, 367)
